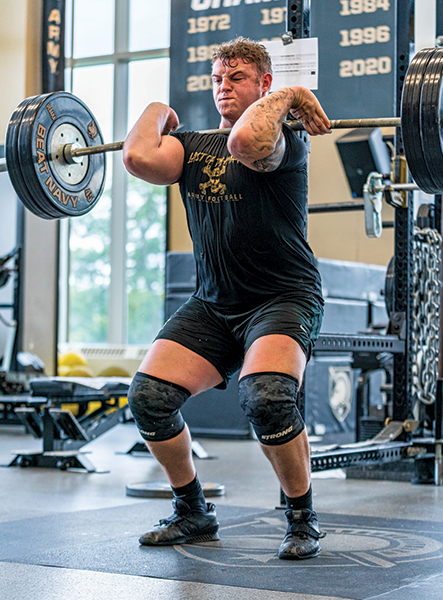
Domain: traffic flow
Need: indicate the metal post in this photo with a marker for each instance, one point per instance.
(404, 224)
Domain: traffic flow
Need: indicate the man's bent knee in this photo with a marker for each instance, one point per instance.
(269, 402)
(155, 405)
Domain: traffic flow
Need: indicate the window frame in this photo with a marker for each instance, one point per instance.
(121, 57)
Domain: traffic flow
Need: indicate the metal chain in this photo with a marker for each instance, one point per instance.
(425, 313)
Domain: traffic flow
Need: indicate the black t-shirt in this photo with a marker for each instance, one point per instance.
(248, 228)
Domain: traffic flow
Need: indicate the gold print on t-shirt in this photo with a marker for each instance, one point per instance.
(214, 174)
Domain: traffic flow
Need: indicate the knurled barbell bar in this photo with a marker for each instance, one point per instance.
(55, 154)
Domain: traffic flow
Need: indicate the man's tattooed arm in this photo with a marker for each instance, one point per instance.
(257, 139)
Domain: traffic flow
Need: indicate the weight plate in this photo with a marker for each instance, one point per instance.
(26, 156)
(410, 122)
(12, 159)
(62, 190)
(430, 117)
(38, 204)
(161, 489)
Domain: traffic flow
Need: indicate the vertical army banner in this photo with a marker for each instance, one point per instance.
(356, 45)
(53, 46)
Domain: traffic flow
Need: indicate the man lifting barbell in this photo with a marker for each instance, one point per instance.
(258, 302)
(55, 152)
(258, 292)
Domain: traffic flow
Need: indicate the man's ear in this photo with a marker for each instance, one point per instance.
(266, 81)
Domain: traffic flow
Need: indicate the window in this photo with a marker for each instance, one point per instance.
(113, 257)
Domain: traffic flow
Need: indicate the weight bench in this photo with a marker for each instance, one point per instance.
(63, 434)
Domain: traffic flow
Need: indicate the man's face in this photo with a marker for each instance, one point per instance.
(235, 88)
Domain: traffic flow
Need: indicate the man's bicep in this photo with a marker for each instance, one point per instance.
(160, 164)
(169, 160)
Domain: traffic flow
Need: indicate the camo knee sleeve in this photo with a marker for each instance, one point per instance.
(155, 405)
(269, 402)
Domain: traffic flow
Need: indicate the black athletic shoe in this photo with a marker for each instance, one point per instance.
(303, 535)
(185, 526)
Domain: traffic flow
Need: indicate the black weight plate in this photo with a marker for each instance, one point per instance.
(430, 112)
(410, 121)
(12, 159)
(58, 196)
(410, 118)
(39, 200)
(38, 203)
(41, 205)
(36, 152)
(162, 489)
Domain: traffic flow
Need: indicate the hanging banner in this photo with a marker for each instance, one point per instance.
(357, 62)
(198, 25)
(356, 52)
(53, 46)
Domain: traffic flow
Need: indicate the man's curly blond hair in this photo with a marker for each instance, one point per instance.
(248, 50)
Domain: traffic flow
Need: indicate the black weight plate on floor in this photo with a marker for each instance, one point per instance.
(37, 199)
(12, 159)
(410, 122)
(162, 489)
(430, 117)
(56, 195)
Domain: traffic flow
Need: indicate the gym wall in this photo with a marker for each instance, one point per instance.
(339, 236)
(12, 58)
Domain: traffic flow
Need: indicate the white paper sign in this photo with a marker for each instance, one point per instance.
(295, 63)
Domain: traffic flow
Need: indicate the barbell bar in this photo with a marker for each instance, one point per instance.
(296, 125)
(73, 151)
(55, 153)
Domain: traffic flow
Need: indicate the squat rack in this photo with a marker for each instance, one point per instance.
(401, 319)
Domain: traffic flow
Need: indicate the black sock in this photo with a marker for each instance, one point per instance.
(192, 494)
(300, 502)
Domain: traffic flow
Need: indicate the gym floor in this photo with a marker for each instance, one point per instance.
(49, 517)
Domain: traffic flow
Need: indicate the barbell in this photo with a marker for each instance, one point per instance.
(55, 153)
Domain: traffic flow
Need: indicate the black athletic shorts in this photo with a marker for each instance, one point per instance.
(224, 337)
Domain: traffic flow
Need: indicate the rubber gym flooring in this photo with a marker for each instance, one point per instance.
(70, 535)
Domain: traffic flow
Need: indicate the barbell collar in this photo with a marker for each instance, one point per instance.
(68, 153)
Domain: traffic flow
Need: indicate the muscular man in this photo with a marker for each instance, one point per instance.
(257, 305)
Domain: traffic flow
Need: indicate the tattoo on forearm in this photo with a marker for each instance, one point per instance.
(265, 125)
(271, 162)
